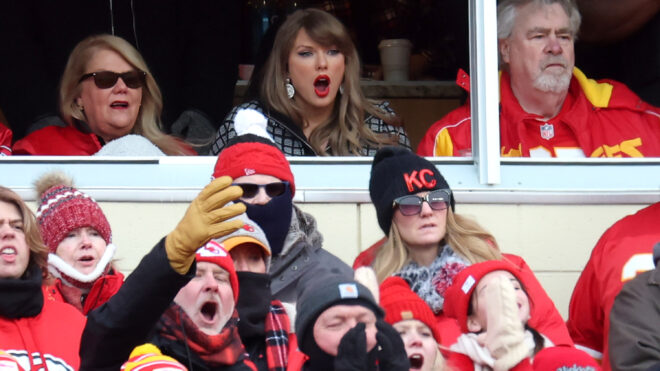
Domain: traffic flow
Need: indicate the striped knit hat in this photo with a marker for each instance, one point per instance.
(64, 209)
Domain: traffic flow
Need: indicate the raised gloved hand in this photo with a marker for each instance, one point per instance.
(392, 354)
(504, 337)
(204, 220)
(352, 350)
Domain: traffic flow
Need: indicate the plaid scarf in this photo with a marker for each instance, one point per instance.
(277, 337)
(223, 349)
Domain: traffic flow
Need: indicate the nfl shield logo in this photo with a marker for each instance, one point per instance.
(547, 131)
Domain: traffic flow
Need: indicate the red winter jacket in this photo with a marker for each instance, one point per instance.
(602, 118)
(53, 335)
(65, 141)
(58, 141)
(101, 291)
(544, 316)
(623, 251)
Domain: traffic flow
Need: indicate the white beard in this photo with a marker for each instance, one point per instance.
(553, 83)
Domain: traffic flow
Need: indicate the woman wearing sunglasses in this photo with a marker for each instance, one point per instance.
(264, 174)
(428, 243)
(106, 93)
(309, 88)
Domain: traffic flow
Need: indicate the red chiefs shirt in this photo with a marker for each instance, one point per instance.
(51, 337)
(622, 252)
(597, 119)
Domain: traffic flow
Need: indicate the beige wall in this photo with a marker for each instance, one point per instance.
(555, 240)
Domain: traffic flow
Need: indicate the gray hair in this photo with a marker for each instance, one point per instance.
(506, 14)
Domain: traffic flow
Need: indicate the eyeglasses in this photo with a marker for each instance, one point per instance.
(106, 79)
(412, 205)
(274, 189)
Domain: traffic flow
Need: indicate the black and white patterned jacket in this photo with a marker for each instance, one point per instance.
(290, 138)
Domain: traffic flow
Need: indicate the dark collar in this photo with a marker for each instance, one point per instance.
(22, 297)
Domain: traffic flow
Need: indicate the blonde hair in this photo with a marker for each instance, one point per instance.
(148, 122)
(344, 131)
(465, 236)
(38, 250)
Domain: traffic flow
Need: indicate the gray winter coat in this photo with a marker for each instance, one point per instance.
(301, 258)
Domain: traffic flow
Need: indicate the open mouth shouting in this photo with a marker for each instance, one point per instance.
(322, 85)
(416, 361)
(209, 312)
(8, 254)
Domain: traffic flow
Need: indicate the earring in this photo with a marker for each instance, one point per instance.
(341, 89)
(290, 90)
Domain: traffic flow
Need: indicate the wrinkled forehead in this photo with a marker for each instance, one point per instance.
(540, 16)
(10, 211)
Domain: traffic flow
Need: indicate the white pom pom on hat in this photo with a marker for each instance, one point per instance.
(249, 121)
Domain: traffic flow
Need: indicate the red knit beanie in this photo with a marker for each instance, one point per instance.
(564, 358)
(214, 253)
(401, 303)
(250, 158)
(457, 296)
(64, 209)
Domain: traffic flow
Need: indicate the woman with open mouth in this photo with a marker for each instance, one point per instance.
(414, 320)
(78, 237)
(309, 89)
(106, 93)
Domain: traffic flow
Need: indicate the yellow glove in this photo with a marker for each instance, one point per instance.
(205, 219)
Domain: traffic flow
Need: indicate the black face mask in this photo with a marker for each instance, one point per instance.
(274, 218)
(253, 306)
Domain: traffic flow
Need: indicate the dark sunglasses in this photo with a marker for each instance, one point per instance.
(412, 204)
(272, 189)
(106, 79)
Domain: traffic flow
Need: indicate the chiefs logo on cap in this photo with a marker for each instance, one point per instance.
(212, 249)
(424, 179)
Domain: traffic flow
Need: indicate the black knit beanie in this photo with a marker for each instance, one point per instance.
(396, 172)
(324, 291)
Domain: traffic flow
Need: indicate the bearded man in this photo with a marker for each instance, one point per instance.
(548, 107)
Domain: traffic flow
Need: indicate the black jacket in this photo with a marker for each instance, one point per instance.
(291, 139)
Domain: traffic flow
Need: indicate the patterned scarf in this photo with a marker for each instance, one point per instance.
(223, 349)
(277, 337)
(430, 283)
